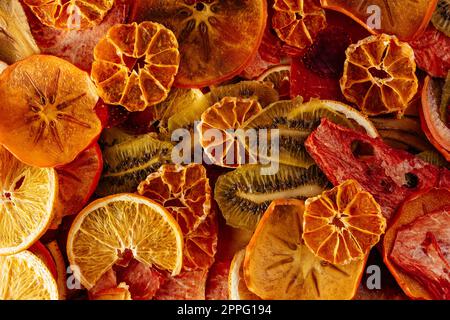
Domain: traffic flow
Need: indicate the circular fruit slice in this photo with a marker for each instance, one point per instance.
(27, 199)
(343, 224)
(135, 65)
(278, 265)
(237, 289)
(110, 226)
(280, 78)
(47, 109)
(24, 276)
(379, 75)
(403, 18)
(218, 129)
(297, 22)
(441, 17)
(70, 14)
(218, 39)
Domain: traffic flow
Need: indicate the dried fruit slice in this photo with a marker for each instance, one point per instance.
(297, 22)
(106, 228)
(61, 270)
(70, 14)
(343, 224)
(379, 75)
(47, 109)
(24, 276)
(279, 77)
(403, 18)
(278, 265)
(135, 65)
(441, 17)
(237, 288)
(210, 33)
(27, 200)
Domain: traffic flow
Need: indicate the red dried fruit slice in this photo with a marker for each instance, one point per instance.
(186, 286)
(217, 283)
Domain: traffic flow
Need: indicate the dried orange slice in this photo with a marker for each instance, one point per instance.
(379, 75)
(135, 65)
(47, 110)
(404, 18)
(278, 265)
(27, 201)
(225, 118)
(111, 226)
(24, 276)
(342, 224)
(297, 22)
(70, 14)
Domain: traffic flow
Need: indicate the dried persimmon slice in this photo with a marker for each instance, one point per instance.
(70, 14)
(135, 65)
(48, 111)
(341, 225)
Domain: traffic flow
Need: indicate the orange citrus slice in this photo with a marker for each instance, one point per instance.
(379, 75)
(278, 265)
(70, 14)
(297, 22)
(109, 227)
(404, 18)
(135, 65)
(224, 118)
(47, 110)
(342, 224)
(24, 276)
(27, 201)
(61, 270)
(237, 288)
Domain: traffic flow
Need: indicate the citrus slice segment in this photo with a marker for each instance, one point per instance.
(278, 265)
(70, 14)
(109, 227)
(403, 18)
(23, 276)
(27, 199)
(379, 75)
(218, 39)
(135, 65)
(218, 129)
(297, 22)
(47, 109)
(237, 289)
(343, 224)
(279, 77)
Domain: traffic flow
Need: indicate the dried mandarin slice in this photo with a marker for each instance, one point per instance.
(135, 65)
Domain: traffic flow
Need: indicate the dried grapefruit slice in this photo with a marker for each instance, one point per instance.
(342, 224)
(379, 75)
(24, 276)
(47, 109)
(225, 118)
(70, 14)
(404, 18)
(27, 200)
(278, 265)
(135, 65)
(297, 22)
(218, 39)
(110, 227)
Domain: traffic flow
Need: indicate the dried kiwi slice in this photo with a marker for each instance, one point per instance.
(441, 17)
(434, 158)
(244, 194)
(128, 160)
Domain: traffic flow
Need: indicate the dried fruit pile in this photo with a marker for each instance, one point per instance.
(240, 150)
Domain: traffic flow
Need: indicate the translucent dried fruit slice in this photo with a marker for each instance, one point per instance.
(218, 39)
(27, 200)
(343, 224)
(47, 109)
(24, 276)
(279, 77)
(219, 137)
(135, 65)
(379, 75)
(404, 18)
(237, 289)
(110, 226)
(278, 265)
(297, 22)
(70, 14)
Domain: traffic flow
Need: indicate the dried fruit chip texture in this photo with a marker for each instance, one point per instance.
(70, 14)
(379, 75)
(343, 224)
(135, 65)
